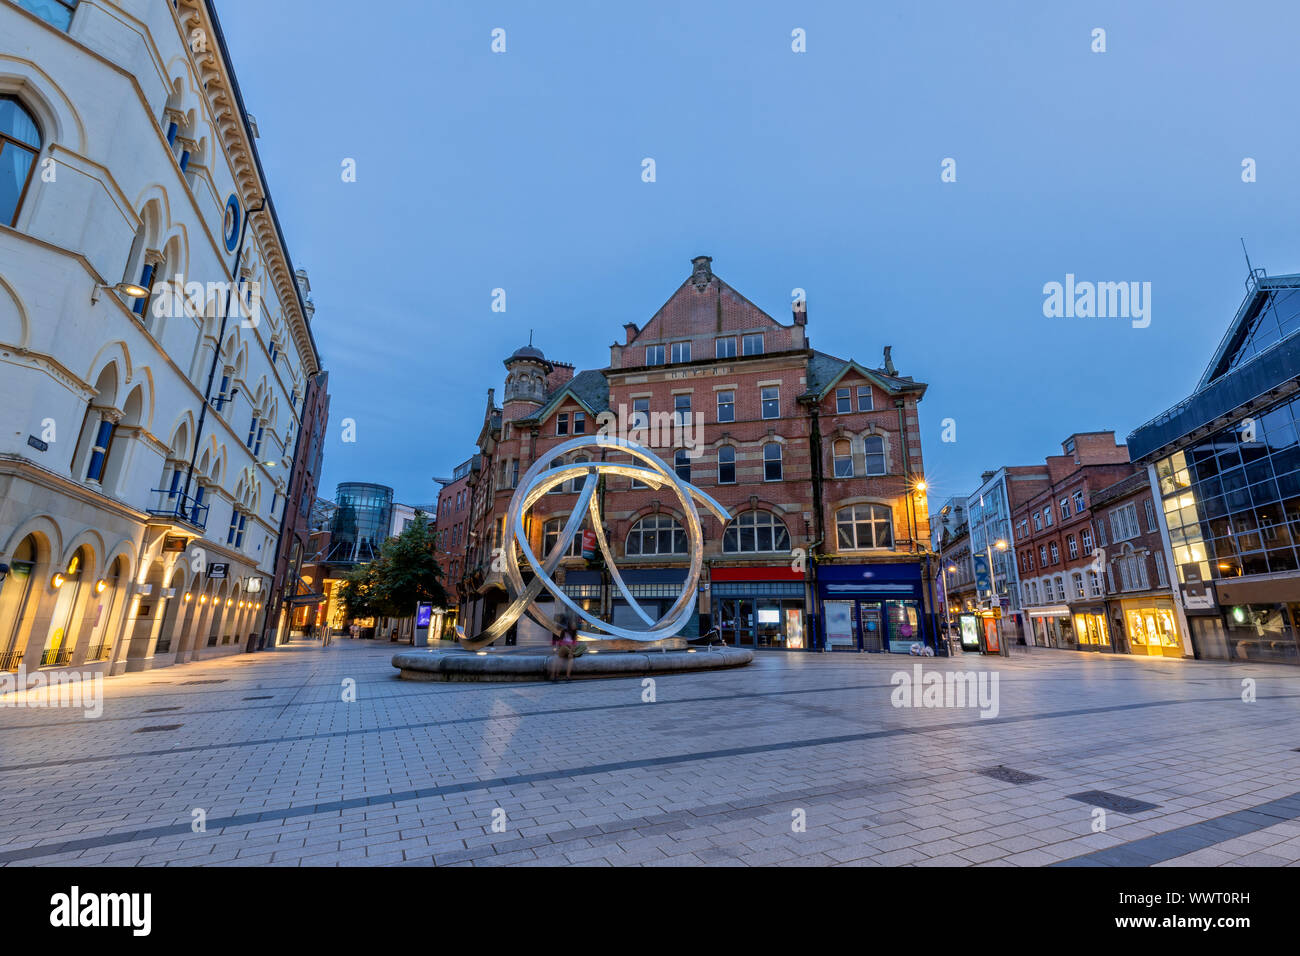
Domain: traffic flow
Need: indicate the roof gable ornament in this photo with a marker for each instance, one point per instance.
(889, 362)
(702, 271)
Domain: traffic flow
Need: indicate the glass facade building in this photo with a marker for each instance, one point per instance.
(1227, 465)
(362, 522)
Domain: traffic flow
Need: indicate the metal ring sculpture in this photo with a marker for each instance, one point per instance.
(540, 479)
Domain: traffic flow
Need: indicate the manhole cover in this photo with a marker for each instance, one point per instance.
(1113, 802)
(1007, 775)
(267, 697)
(221, 681)
(160, 727)
(159, 710)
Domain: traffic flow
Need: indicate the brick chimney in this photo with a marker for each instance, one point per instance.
(631, 329)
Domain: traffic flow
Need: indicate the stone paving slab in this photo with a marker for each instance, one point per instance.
(797, 759)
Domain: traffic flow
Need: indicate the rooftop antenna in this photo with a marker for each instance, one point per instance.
(1252, 276)
(530, 331)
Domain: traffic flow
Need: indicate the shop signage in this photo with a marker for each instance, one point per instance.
(423, 614)
(982, 580)
(174, 544)
(218, 570)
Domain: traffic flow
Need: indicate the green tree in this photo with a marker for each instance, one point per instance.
(408, 570)
(405, 573)
(360, 592)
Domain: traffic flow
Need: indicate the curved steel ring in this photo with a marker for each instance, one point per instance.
(540, 479)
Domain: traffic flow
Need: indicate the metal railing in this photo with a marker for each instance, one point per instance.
(1272, 367)
(10, 660)
(100, 652)
(179, 507)
(56, 656)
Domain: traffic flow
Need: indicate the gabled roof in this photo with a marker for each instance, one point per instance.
(588, 388)
(824, 371)
(720, 288)
(1254, 308)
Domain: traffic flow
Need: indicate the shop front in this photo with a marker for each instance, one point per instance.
(873, 607)
(759, 607)
(1151, 627)
(1091, 632)
(655, 590)
(1050, 625)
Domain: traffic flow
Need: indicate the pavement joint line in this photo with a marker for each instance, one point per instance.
(1181, 841)
(395, 728)
(524, 779)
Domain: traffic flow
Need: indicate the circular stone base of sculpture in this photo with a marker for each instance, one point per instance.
(528, 665)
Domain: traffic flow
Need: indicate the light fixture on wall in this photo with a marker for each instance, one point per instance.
(229, 602)
(57, 581)
(128, 289)
(189, 597)
(203, 599)
(100, 586)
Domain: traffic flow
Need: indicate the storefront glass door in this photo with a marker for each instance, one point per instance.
(1091, 633)
(1152, 631)
(904, 630)
(736, 622)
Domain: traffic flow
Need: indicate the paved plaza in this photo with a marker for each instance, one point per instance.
(796, 759)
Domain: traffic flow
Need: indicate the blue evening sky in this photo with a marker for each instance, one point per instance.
(818, 170)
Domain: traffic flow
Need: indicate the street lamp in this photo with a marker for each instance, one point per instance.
(1001, 545)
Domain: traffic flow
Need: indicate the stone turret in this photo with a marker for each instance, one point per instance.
(526, 374)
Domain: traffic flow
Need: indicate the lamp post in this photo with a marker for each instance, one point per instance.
(947, 607)
(1001, 545)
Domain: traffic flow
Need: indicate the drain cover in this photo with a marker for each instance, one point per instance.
(159, 710)
(1113, 802)
(222, 681)
(1007, 775)
(154, 730)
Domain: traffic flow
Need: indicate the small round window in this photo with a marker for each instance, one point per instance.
(231, 225)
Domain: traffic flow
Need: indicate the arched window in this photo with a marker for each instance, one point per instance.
(15, 596)
(551, 536)
(875, 458)
(726, 465)
(57, 12)
(842, 453)
(755, 531)
(656, 534)
(865, 526)
(772, 462)
(20, 144)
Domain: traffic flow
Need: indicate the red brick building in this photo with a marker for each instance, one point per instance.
(818, 460)
(1141, 606)
(1061, 577)
(293, 547)
(452, 526)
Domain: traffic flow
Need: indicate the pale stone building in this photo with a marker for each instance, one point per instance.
(146, 441)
